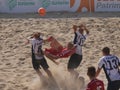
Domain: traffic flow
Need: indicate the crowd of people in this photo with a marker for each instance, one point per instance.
(110, 63)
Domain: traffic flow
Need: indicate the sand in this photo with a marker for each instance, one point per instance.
(16, 72)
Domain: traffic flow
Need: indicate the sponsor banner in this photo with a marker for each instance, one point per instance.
(54, 5)
(18, 6)
(24, 6)
(107, 5)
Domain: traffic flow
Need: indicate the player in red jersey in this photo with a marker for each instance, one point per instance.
(94, 84)
(57, 51)
(66, 52)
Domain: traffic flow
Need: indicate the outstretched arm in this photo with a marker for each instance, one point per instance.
(27, 42)
(48, 39)
(51, 57)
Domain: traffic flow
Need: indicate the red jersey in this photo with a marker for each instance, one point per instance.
(66, 52)
(53, 51)
(57, 49)
(61, 53)
(95, 84)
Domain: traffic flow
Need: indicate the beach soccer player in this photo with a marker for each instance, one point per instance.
(63, 52)
(110, 63)
(94, 83)
(79, 39)
(38, 59)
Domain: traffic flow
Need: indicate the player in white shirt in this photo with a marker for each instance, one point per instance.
(110, 64)
(78, 42)
(38, 59)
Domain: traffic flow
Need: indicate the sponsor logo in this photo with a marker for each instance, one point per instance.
(13, 3)
(26, 3)
(47, 3)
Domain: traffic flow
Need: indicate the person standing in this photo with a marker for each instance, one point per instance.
(110, 64)
(38, 59)
(79, 39)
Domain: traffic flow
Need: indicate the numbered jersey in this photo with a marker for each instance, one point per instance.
(37, 48)
(79, 41)
(110, 64)
(95, 84)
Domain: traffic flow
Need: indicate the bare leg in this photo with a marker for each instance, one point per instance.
(39, 73)
(41, 76)
(52, 79)
(74, 73)
(52, 57)
(49, 73)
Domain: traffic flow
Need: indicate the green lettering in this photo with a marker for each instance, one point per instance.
(26, 3)
(12, 4)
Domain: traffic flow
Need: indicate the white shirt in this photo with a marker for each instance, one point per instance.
(110, 64)
(79, 41)
(37, 47)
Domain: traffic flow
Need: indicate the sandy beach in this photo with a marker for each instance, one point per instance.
(16, 71)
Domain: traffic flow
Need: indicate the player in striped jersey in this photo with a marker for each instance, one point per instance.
(38, 59)
(110, 64)
(94, 84)
(79, 39)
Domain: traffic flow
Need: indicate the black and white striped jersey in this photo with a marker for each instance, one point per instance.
(37, 47)
(110, 64)
(79, 40)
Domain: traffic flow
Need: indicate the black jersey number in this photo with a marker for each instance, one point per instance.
(113, 64)
(81, 41)
(40, 52)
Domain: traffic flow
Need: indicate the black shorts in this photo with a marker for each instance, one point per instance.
(37, 63)
(114, 85)
(74, 61)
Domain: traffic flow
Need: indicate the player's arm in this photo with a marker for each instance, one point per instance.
(28, 40)
(98, 72)
(51, 57)
(48, 39)
(100, 65)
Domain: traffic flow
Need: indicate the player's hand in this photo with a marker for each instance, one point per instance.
(26, 42)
